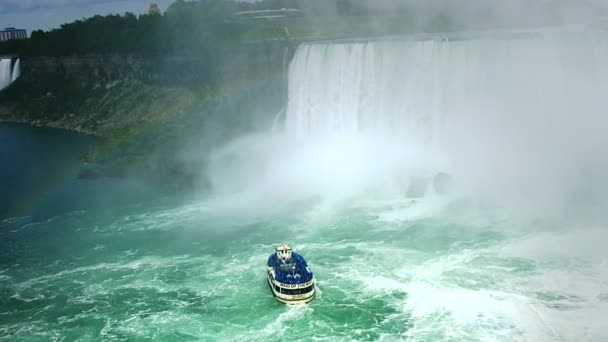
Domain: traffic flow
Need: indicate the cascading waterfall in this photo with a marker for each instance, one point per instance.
(16, 70)
(376, 87)
(497, 104)
(5, 73)
(411, 87)
(506, 114)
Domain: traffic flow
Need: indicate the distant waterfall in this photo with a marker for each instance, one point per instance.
(5, 73)
(16, 70)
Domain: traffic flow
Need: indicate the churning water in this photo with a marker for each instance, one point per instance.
(511, 250)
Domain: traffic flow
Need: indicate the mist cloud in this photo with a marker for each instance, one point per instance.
(517, 118)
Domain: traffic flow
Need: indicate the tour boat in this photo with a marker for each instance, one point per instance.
(289, 277)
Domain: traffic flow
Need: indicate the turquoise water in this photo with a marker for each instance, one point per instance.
(113, 259)
(174, 268)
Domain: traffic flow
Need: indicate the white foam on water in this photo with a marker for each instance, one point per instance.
(278, 327)
(568, 289)
(505, 291)
(436, 308)
(408, 209)
(162, 219)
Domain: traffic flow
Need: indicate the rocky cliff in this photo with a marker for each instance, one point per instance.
(158, 116)
(102, 94)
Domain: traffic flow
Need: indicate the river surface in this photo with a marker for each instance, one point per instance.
(82, 261)
(513, 250)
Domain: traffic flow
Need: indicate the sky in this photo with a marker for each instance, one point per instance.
(48, 14)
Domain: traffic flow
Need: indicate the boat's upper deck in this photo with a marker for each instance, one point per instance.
(293, 270)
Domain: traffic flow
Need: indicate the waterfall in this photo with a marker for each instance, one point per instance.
(381, 87)
(414, 87)
(5, 73)
(16, 70)
(515, 105)
(503, 114)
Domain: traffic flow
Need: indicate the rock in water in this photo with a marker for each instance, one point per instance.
(442, 183)
(418, 188)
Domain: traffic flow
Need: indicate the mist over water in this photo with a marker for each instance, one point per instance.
(515, 117)
(509, 248)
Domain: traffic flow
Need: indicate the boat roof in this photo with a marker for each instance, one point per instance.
(283, 247)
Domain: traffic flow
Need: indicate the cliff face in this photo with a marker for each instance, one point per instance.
(159, 116)
(100, 94)
(90, 94)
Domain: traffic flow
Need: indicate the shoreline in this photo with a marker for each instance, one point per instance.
(33, 124)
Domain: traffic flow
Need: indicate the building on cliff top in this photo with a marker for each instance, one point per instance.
(267, 14)
(11, 33)
(153, 9)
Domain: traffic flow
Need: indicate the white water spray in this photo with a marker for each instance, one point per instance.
(516, 113)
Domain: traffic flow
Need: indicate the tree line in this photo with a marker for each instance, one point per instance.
(193, 26)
